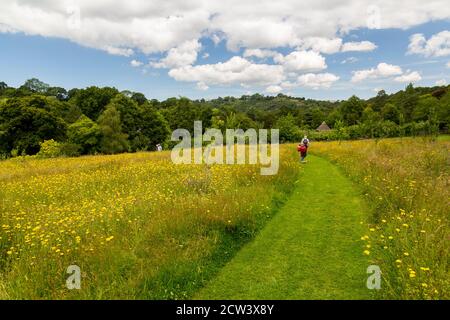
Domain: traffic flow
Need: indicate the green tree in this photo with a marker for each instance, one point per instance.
(380, 100)
(408, 101)
(3, 86)
(36, 85)
(113, 140)
(391, 112)
(24, 123)
(85, 133)
(317, 117)
(181, 113)
(427, 105)
(130, 115)
(289, 131)
(139, 98)
(370, 120)
(443, 111)
(93, 100)
(351, 110)
(57, 92)
(153, 128)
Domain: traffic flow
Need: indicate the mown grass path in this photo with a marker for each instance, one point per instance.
(309, 250)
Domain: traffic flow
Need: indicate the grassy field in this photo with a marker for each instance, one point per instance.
(406, 182)
(140, 227)
(137, 225)
(309, 250)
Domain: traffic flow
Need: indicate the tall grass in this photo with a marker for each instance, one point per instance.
(407, 183)
(138, 226)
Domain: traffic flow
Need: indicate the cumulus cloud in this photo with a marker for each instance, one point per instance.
(363, 46)
(413, 76)
(202, 86)
(185, 54)
(158, 25)
(126, 52)
(381, 71)
(175, 29)
(274, 89)
(324, 45)
(118, 27)
(334, 45)
(317, 81)
(136, 63)
(441, 82)
(236, 70)
(302, 61)
(260, 53)
(436, 46)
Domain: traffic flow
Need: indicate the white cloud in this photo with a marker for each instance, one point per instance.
(237, 70)
(381, 71)
(126, 52)
(317, 81)
(159, 25)
(436, 46)
(260, 53)
(183, 55)
(175, 28)
(358, 46)
(334, 45)
(441, 82)
(205, 55)
(448, 64)
(324, 45)
(135, 63)
(274, 89)
(302, 61)
(202, 86)
(413, 76)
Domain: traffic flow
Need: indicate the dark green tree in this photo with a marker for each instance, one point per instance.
(153, 128)
(24, 125)
(93, 100)
(391, 112)
(113, 140)
(351, 110)
(139, 98)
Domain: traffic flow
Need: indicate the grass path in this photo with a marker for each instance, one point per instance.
(309, 250)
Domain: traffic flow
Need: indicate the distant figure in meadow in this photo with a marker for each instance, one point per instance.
(303, 150)
(158, 147)
(305, 141)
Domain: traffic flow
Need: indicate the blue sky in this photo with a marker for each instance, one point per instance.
(71, 61)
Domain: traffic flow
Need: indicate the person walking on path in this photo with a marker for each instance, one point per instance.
(303, 150)
(305, 141)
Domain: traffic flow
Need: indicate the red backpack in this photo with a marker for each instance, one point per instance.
(301, 148)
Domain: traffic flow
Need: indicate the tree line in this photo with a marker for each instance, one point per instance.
(37, 118)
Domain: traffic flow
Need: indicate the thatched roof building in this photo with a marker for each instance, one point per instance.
(323, 127)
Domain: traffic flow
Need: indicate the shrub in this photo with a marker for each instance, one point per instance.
(49, 149)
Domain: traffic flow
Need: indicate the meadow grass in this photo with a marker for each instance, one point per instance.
(141, 227)
(406, 181)
(138, 226)
(309, 250)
